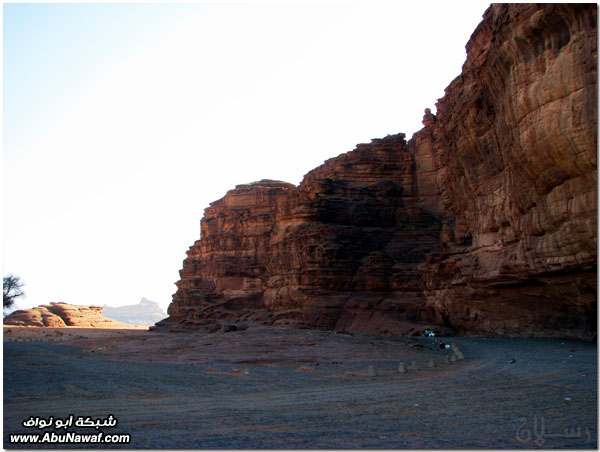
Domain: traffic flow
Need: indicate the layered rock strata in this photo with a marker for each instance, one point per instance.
(483, 223)
(57, 315)
(513, 152)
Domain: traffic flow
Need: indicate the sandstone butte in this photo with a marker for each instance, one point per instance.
(484, 223)
(59, 315)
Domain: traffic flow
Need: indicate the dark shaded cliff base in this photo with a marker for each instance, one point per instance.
(287, 388)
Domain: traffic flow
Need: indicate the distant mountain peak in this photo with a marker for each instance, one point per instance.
(146, 312)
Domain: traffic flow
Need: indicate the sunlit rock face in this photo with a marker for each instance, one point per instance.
(58, 315)
(340, 251)
(483, 223)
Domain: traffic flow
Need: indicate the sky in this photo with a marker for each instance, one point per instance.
(122, 122)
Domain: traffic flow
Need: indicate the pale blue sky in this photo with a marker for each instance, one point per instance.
(123, 121)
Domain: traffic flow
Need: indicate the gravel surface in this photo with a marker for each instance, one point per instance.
(298, 389)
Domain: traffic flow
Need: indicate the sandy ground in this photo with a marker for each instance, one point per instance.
(298, 389)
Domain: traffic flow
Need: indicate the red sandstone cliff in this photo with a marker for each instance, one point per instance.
(57, 315)
(513, 151)
(484, 222)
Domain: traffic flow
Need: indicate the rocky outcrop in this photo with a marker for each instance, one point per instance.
(338, 252)
(513, 155)
(146, 312)
(57, 315)
(483, 223)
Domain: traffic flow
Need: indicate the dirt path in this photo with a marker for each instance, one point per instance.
(279, 388)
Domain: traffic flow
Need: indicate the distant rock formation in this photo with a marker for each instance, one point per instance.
(146, 313)
(484, 222)
(58, 315)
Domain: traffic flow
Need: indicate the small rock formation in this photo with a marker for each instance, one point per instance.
(483, 223)
(371, 371)
(57, 315)
(402, 367)
(428, 118)
(146, 313)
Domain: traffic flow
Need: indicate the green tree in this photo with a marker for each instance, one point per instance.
(11, 289)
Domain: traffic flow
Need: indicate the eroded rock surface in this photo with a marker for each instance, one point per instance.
(513, 152)
(58, 315)
(483, 223)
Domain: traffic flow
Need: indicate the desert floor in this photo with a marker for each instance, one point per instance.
(298, 389)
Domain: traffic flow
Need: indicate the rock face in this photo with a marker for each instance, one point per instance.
(58, 315)
(513, 154)
(146, 313)
(483, 223)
